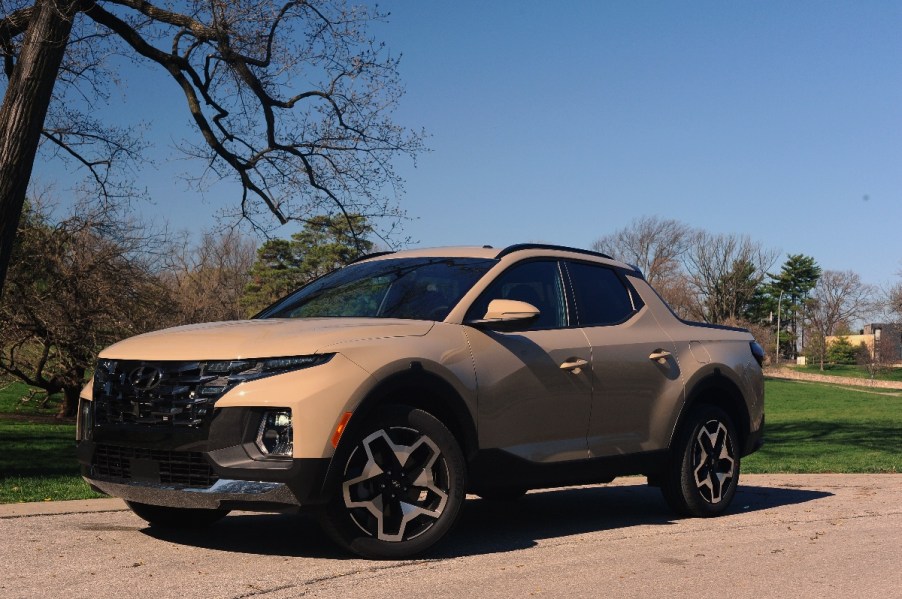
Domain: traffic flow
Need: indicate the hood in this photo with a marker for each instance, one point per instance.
(241, 339)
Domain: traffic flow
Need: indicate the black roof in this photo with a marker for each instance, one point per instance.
(519, 247)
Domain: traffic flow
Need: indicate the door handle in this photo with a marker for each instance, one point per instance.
(659, 355)
(574, 364)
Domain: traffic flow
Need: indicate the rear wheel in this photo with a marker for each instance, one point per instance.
(174, 517)
(704, 472)
(401, 488)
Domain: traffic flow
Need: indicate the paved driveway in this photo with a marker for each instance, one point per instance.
(787, 536)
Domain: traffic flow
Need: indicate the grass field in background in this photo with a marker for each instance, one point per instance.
(37, 462)
(37, 451)
(810, 428)
(11, 402)
(813, 427)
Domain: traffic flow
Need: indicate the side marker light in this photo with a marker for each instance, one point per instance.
(342, 424)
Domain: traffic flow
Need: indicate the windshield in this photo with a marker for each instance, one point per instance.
(413, 288)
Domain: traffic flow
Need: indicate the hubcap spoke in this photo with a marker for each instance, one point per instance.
(397, 485)
(713, 461)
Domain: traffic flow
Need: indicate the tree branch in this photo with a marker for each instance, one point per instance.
(88, 163)
(178, 67)
(14, 24)
(197, 28)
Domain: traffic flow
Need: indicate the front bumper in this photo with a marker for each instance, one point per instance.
(214, 466)
(225, 493)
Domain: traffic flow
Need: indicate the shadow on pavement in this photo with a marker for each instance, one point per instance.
(485, 526)
(288, 535)
(497, 526)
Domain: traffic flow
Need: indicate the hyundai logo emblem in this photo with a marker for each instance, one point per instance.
(145, 378)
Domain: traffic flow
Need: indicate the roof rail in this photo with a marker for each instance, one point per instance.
(518, 247)
(368, 256)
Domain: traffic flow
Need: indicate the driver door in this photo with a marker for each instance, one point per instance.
(534, 385)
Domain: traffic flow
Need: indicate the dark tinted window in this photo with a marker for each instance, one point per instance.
(601, 297)
(537, 283)
(415, 288)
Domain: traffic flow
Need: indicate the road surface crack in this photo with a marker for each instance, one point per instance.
(331, 577)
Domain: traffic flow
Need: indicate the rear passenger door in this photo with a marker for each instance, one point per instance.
(629, 385)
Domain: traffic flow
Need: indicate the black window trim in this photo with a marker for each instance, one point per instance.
(563, 279)
(571, 307)
(620, 273)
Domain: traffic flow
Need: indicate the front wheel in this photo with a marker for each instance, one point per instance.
(174, 517)
(704, 471)
(401, 488)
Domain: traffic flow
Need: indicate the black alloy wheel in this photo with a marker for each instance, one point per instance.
(704, 472)
(402, 485)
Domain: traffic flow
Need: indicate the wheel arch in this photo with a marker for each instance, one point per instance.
(717, 389)
(417, 388)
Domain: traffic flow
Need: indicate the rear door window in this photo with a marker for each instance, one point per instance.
(600, 294)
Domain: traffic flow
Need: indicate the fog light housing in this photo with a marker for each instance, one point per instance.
(274, 438)
(85, 422)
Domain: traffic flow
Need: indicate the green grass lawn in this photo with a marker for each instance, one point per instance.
(853, 371)
(810, 428)
(13, 401)
(37, 451)
(815, 427)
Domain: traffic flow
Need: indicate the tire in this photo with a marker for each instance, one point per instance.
(402, 484)
(174, 517)
(702, 477)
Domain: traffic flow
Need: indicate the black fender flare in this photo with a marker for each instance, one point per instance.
(716, 388)
(418, 388)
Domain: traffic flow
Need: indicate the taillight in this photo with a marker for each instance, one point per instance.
(758, 352)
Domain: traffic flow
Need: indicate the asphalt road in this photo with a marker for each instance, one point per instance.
(786, 536)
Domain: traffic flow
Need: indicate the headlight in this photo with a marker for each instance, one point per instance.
(274, 435)
(217, 377)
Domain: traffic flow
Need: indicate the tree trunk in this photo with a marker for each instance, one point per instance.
(69, 405)
(24, 110)
(71, 390)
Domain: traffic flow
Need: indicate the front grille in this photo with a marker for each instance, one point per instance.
(179, 468)
(156, 393)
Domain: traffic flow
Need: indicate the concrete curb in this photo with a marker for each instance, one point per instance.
(56, 508)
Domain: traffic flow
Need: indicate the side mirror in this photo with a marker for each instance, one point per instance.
(503, 313)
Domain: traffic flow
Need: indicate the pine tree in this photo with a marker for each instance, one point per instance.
(283, 265)
(797, 277)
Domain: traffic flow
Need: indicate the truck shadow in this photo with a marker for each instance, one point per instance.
(497, 526)
(484, 526)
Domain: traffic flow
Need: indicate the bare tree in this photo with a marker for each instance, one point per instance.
(291, 99)
(839, 298)
(74, 287)
(207, 278)
(656, 245)
(893, 302)
(894, 306)
(879, 358)
(724, 272)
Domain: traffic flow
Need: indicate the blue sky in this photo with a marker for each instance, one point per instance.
(561, 122)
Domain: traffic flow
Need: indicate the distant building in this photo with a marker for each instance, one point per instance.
(883, 340)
